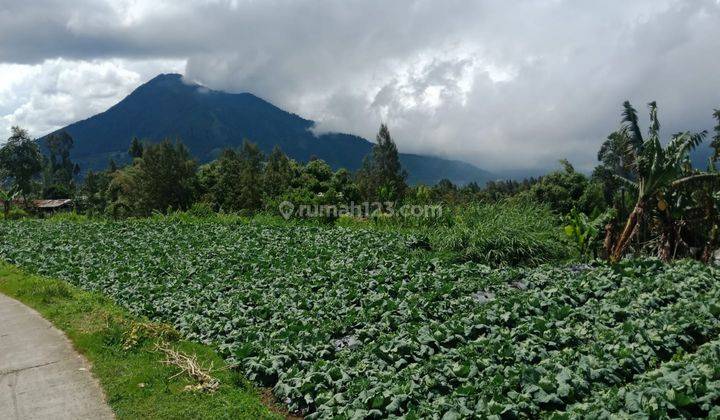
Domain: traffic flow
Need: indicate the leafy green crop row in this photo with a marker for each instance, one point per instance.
(355, 323)
(687, 387)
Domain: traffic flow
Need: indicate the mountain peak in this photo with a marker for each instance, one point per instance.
(169, 80)
(166, 77)
(208, 121)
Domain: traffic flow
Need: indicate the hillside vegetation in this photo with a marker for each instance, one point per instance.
(561, 296)
(352, 322)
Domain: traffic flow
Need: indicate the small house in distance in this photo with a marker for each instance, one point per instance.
(46, 206)
(52, 206)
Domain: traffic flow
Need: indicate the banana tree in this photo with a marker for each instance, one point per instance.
(658, 171)
(715, 144)
(7, 199)
(585, 231)
(708, 198)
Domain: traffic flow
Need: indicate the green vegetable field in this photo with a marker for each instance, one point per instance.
(356, 323)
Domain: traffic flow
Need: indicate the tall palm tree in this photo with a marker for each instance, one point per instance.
(631, 124)
(616, 155)
(617, 152)
(658, 171)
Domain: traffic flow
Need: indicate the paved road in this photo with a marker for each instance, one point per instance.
(41, 375)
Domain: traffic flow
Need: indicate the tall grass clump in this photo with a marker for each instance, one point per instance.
(506, 233)
(73, 217)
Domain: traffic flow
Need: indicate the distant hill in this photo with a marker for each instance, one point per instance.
(208, 121)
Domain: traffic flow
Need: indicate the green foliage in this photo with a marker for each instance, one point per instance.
(315, 177)
(315, 184)
(47, 292)
(617, 159)
(163, 178)
(20, 162)
(136, 149)
(201, 210)
(73, 217)
(447, 193)
(351, 323)
(563, 190)
(617, 153)
(715, 144)
(60, 171)
(93, 196)
(630, 121)
(504, 233)
(499, 190)
(234, 181)
(580, 229)
(342, 184)
(592, 199)
(381, 177)
(242, 182)
(15, 213)
(660, 168)
(278, 174)
(250, 179)
(686, 387)
(123, 194)
(587, 233)
(660, 181)
(122, 350)
(58, 191)
(507, 233)
(420, 194)
(7, 197)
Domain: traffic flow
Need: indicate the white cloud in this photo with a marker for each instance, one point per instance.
(501, 84)
(45, 97)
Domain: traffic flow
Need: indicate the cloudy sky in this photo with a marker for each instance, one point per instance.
(505, 85)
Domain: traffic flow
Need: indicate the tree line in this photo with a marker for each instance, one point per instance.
(26, 172)
(643, 196)
(164, 177)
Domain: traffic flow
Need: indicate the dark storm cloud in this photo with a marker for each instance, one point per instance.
(501, 84)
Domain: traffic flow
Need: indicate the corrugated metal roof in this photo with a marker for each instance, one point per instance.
(51, 204)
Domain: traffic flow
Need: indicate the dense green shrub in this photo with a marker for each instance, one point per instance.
(15, 214)
(564, 190)
(507, 233)
(201, 210)
(503, 233)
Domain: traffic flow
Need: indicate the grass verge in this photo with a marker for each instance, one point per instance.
(124, 353)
